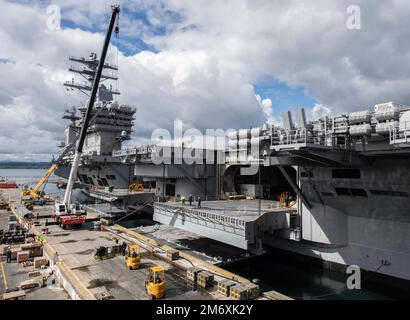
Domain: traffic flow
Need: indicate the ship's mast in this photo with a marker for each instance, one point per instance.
(89, 71)
(94, 89)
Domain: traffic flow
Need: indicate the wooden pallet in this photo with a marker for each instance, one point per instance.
(26, 264)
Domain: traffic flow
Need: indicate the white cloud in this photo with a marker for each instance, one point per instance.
(208, 59)
(306, 43)
(189, 85)
(266, 105)
(319, 111)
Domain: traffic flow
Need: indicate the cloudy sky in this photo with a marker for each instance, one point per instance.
(212, 64)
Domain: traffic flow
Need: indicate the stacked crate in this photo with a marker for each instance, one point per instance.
(239, 293)
(14, 252)
(34, 249)
(29, 284)
(116, 249)
(245, 292)
(3, 249)
(192, 274)
(205, 279)
(253, 291)
(40, 261)
(172, 254)
(22, 256)
(224, 287)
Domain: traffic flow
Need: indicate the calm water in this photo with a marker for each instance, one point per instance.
(304, 281)
(30, 177)
(275, 272)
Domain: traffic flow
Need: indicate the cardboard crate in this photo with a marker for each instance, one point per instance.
(40, 261)
(3, 249)
(192, 274)
(253, 291)
(15, 295)
(205, 279)
(34, 274)
(239, 293)
(14, 252)
(33, 245)
(29, 284)
(224, 287)
(172, 255)
(36, 251)
(28, 263)
(22, 256)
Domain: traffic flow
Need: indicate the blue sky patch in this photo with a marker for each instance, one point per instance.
(5, 61)
(284, 97)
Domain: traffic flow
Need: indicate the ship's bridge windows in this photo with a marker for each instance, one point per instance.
(104, 181)
(389, 193)
(351, 192)
(86, 179)
(346, 173)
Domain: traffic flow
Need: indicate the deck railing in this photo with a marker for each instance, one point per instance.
(298, 137)
(400, 134)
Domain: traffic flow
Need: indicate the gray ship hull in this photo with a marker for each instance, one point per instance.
(116, 175)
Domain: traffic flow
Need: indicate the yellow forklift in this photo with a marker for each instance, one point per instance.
(133, 257)
(136, 187)
(155, 284)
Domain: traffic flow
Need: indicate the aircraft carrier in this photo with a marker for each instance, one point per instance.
(335, 189)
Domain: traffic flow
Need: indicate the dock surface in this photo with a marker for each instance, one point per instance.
(74, 250)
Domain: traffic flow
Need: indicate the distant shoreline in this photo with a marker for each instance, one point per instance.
(24, 165)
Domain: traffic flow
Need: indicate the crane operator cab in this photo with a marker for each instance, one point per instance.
(133, 257)
(155, 284)
(74, 209)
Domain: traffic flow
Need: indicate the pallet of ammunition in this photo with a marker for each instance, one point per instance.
(172, 254)
(245, 292)
(224, 287)
(26, 264)
(205, 279)
(239, 293)
(29, 284)
(192, 274)
(253, 291)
